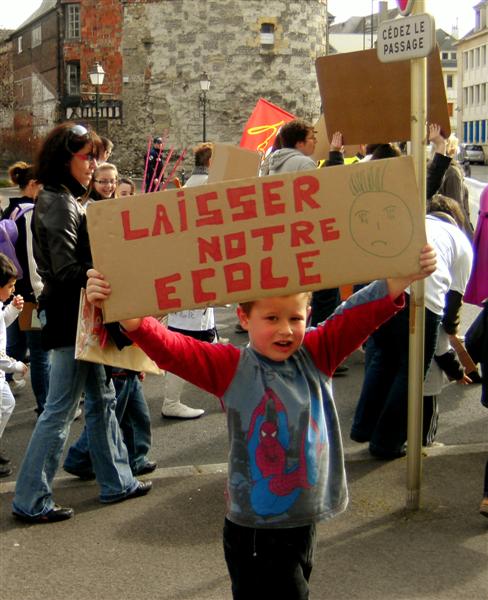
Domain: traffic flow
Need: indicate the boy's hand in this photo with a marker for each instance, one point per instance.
(18, 302)
(428, 264)
(98, 290)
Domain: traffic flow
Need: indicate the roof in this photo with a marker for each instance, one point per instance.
(359, 24)
(46, 6)
(350, 42)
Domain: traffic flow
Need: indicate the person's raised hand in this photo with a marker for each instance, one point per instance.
(336, 142)
(437, 138)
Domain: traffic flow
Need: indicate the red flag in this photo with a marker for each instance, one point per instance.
(263, 125)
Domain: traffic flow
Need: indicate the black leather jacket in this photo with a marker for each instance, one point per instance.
(62, 252)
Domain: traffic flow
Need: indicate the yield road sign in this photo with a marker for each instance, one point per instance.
(404, 39)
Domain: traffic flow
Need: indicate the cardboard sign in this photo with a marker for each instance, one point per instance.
(231, 162)
(251, 238)
(369, 101)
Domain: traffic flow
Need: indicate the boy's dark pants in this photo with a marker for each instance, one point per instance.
(269, 563)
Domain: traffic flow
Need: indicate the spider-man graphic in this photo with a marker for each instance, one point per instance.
(276, 486)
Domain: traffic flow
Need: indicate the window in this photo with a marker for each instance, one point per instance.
(73, 79)
(449, 81)
(465, 55)
(477, 55)
(72, 17)
(36, 36)
(19, 44)
(445, 55)
(453, 56)
(471, 95)
(450, 108)
(477, 94)
(267, 33)
(465, 90)
(483, 93)
(483, 55)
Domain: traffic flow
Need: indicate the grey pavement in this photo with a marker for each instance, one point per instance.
(167, 545)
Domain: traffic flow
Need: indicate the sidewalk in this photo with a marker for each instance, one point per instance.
(167, 545)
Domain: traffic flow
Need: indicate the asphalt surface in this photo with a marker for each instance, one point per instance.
(167, 545)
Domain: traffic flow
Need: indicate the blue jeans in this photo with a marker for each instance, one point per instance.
(17, 343)
(69, 377)
(381, 414)
(133, 416)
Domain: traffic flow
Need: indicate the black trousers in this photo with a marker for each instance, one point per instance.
(269, 563)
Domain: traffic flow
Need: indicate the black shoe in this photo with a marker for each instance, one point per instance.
(143, 488)
(148, 467)
(4, 460)
(357, 437)
(83, 475)
(384, 454)
(58, 513)
(5, 471)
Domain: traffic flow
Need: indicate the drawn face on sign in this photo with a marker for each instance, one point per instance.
(381, 223)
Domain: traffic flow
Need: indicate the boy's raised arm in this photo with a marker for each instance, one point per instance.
(427, 264)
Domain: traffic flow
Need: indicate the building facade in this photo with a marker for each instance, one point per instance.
(154, 53)
(472, 118)
(448, 55)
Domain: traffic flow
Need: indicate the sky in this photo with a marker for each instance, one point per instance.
(445, 11)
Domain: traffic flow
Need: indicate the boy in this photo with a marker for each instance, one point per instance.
(8, 277)
(286, 467)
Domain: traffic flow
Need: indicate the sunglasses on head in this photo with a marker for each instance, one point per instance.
(79, 130)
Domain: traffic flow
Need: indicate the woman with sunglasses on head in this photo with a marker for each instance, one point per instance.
(64, 166)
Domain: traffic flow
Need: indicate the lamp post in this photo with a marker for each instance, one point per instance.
(97, 75)
(204, 87)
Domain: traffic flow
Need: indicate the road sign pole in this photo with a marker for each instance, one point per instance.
(418, 104)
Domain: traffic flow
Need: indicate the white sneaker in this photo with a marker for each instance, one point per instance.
(16, 385)
(177, 410)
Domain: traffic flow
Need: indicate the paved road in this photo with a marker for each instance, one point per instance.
(167, 545)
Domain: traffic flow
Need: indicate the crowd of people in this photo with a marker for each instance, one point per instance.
(276, 384)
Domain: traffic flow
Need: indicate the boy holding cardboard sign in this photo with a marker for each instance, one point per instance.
(286, 466)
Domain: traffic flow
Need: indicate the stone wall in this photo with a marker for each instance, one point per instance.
(168, 44)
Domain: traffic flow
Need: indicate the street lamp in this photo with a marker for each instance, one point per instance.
(204, 87)
(97, 75)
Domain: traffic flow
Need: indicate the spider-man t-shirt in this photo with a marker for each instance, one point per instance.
(286, 465)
